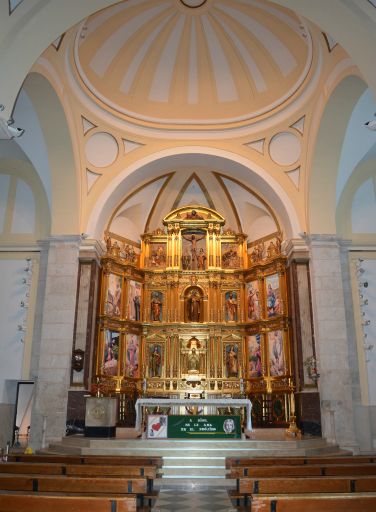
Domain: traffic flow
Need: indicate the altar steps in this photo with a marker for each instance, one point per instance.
(202, 462)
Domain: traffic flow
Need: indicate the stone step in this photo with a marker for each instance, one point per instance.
(172, 461)
(193, 471)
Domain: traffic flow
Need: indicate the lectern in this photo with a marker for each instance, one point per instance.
(100, 416)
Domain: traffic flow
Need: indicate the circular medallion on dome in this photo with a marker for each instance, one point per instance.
(101, 149)
(156, 62)
(285, 148)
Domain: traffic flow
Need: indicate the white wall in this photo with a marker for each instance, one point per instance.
(14, 351)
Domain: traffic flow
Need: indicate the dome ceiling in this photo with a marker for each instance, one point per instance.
(193, 61)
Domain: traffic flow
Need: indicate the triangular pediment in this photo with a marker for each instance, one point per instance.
(194, 214)
(155, 337)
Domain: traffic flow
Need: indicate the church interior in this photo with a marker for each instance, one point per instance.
(187, 210)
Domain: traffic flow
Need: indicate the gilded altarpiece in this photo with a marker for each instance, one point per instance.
(196, 310)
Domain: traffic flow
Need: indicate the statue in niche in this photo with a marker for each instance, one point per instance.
(193, 361)
(231, 303)
(194, 306)
(155, 361)
(232, 365)
(156, 306)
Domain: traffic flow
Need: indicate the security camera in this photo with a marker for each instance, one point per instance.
(371, 125)
(15, 132)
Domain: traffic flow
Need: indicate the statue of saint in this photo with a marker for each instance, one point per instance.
(194, 307)
(155, 362)
(193, 361)
(232, 361)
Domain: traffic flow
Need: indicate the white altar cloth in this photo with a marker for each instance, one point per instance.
(187, 402)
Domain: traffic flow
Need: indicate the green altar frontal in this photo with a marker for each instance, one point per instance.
(203, 427)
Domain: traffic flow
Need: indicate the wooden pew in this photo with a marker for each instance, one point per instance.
(31, 502)
(112, 460)
(54, 483)
(346, 502)
(290, 485)
(302, 471)
(92, 470)
(296, 461)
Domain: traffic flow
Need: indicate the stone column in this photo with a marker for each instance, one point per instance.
(57, 324)
(332, 341)
(307, 401)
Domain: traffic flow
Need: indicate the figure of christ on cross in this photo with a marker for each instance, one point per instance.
(194, 255)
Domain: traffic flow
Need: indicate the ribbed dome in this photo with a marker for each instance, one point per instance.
(193, 62)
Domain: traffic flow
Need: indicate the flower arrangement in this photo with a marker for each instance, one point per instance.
(311, 365)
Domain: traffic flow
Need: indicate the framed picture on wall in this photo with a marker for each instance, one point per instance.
(254, 300)
(113, 299)
(132, 355)
(273, 296)
(230, 256)
(111, 350)
(254, 355)
(157, 255)
(276, 353)
(134, 300)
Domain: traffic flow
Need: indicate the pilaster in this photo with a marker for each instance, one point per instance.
(56, 334)
(331, 336)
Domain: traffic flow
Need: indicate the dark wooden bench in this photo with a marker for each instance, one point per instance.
(68, 484)
(296, 461)
(32, 502)
(92, 470)
(112, 460)
(290, 485)
(318, 503)
(249, 488)
(302, 471)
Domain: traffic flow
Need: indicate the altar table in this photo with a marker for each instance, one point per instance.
(187, 402)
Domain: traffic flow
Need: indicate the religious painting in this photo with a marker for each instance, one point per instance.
(156, 307)
(194, 250)
(155, 359)
(113, 296)
(230, 256)
(273, 296)
(134, 301)
(277, 357)
(254, 356)
(232, 360)
(257, 252)
(157, 255)
(132, 348)
(128, 253)
(110, 362)
(231, 306)
(252, 290)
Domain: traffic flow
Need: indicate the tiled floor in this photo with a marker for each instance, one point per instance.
(193, 500)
